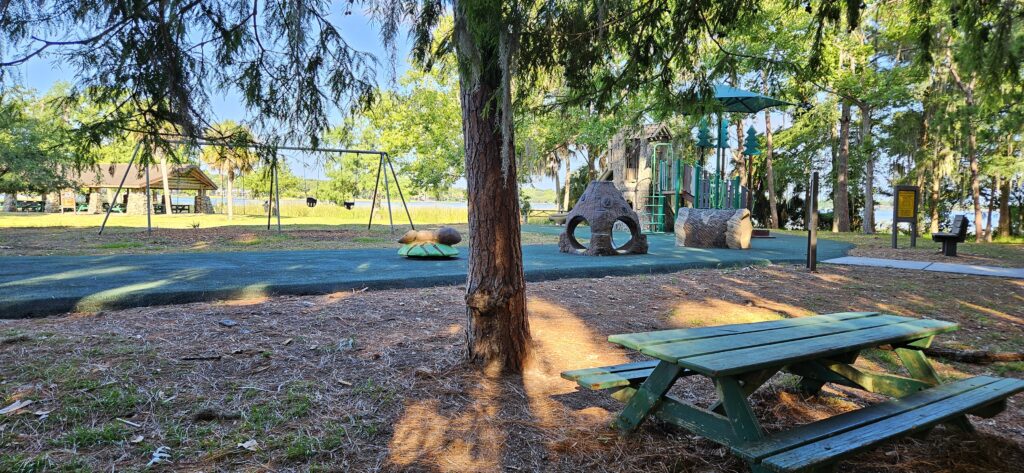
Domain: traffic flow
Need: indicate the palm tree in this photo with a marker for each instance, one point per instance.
(231, 158)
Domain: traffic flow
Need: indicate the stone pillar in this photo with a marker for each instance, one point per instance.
(10, 202)
(203, 205)
(53, 202)
(95, 201)
(136, 203)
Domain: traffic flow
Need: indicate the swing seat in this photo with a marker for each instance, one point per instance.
(311, 201)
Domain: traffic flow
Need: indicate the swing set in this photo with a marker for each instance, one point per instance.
(274, 203)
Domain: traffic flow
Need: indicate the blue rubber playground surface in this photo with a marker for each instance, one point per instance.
(34, 286)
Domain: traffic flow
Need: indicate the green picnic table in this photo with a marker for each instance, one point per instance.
(820, 349)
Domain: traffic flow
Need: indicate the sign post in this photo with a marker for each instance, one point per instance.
(812, 223)
(905, 205)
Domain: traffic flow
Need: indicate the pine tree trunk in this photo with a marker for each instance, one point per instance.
(498, 332)
(565, 188)
(841, 211)
(933, 202)
(231, 195)
(739, 162)
(558, 193)
(769, 148)
(972, 151)
(997, 183)
(869, 172)
(833, 138)
(1004, 209)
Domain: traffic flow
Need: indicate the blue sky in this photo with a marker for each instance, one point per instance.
(359, 30)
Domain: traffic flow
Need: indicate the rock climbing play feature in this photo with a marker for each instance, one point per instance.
(713, 228)
(601, 206)
(430, 244)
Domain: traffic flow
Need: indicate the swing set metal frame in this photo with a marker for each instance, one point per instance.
(384, 164)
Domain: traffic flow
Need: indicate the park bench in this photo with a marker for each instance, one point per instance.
(951, 238)
(181, 208)
(348, 204)
(820, 349)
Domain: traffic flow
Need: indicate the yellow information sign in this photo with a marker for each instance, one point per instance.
(905, 203)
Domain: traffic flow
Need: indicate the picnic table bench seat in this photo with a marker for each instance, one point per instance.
(821, 349)
(820, 444)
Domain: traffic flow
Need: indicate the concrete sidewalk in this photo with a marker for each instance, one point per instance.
(969, 269)
(32, 286)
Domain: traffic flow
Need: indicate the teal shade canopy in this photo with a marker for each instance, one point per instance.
(753, 146)
(704, 135)
(742, 101)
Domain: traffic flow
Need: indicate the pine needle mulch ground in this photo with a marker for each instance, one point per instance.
(375, 380)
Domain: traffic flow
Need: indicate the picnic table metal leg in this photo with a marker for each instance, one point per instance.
(648, 396)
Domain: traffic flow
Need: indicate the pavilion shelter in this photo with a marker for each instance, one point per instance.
(101, 182)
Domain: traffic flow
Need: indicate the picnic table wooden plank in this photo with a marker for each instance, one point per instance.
(827, 450)
(676, 350)
(614, 380)
(637, 341)
(639, 365)
(807, 433)
(785, 353)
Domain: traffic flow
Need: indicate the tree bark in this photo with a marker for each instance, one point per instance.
(231, 195)
(769, 148)
(833, 138)
(498, 332)
(739, 162)
(565, 188)
(972, 151)
(558, 192)
(841, 207)
(973, 356)
(997, 183)
(869, 171)
(933, 202)
(1004, 209)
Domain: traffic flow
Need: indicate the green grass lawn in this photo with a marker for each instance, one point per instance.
(322, 227)
(321, 216)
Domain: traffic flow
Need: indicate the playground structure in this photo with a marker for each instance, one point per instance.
(430, 244)
(602, 207)
(659, 185)
(657, 181)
